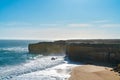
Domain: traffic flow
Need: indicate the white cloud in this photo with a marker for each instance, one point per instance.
(80, 25)
(101, 21)
(16, 24)
(56, 33)
(110, 25)
(64, 31)
(49, 24)
(70, 25)
(94, 25)
(19, 24)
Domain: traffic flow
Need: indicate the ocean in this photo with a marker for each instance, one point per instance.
(16, 63)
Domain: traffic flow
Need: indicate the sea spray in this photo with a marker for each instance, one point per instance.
(31, 66)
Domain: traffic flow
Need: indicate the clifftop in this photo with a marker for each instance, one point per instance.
(95, 41)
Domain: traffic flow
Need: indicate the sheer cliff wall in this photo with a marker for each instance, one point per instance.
(47, 48)
(81, 50)
(94, 52)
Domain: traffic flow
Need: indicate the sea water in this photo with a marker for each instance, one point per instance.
(16, 63)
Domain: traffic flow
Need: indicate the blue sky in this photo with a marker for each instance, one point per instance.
(59, 19)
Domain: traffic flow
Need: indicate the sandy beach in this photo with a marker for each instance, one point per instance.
(92, 72)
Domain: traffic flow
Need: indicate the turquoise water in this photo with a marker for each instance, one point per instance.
(16, 61)
(13, 52)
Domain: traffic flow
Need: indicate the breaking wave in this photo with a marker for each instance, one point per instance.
(39, 63)
(14, 49)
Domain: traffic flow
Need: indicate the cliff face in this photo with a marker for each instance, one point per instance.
(81, 50)
(46, 48)
(94, 52)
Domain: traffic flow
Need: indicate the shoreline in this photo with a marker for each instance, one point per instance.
(58, 72)
(93, 72)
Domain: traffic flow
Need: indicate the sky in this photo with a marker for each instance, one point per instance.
(59, 19)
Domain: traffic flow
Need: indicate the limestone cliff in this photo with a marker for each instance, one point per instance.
(94, 52)
(46, 48)
(82, 50)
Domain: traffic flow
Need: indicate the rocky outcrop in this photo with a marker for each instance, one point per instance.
(46, 48)
(81, 50)
(117, 68)
(94, 52)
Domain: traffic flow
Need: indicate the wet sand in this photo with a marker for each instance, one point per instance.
(92, 72)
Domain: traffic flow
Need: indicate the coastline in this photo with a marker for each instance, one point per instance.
(101, 52)
(58, 72)
(93, 72)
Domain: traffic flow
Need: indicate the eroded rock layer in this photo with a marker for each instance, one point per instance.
(94, 52)
(46, 48)
(81, 50)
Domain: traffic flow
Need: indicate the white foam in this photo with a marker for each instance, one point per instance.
(38, 69)
(14, 49)
(59, 72)
(31, 66)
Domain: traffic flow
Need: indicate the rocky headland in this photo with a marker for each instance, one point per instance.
(95, 52)
(107, 51)
(47, 48)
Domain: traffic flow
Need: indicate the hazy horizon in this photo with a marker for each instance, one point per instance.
(59, 19)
